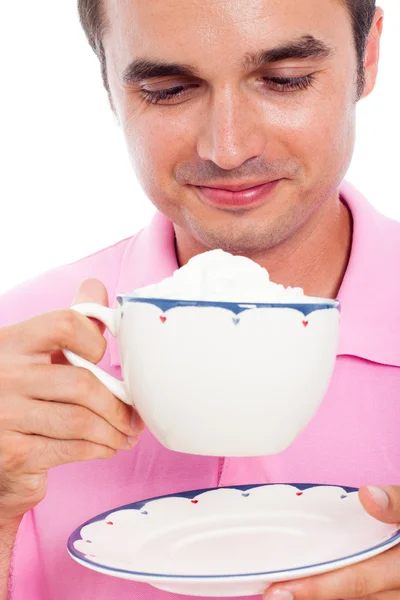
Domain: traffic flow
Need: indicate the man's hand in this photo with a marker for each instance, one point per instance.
(377, 578)
(52, 413)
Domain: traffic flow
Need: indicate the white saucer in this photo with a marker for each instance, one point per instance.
(232, 541)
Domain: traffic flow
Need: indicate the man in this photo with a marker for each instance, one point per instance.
(239, 118)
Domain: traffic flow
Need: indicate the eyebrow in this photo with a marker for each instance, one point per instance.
(142, 69)
(304, 47)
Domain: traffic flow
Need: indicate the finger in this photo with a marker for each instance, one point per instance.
(373, 576)
(382, 502)
(33, 454)
(73, 385)
(65, 329)
(393, 595)
(66, 422)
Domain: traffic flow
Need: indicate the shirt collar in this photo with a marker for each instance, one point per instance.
(370, 291)
(369, 295)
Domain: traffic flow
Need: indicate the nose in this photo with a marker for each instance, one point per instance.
(231, 132)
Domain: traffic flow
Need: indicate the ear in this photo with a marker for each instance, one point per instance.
(372, 53)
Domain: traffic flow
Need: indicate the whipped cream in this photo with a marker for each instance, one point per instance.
(217, 276)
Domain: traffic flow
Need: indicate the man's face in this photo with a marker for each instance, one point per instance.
(219, 95)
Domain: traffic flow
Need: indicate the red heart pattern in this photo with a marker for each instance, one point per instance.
(163, 319)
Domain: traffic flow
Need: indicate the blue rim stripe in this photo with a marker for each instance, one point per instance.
(76, 536)
(235, 307)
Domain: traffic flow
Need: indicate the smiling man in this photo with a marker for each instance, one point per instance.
(239, 118)
(256, 103)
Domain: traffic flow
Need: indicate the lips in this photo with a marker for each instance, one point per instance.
(239, 196)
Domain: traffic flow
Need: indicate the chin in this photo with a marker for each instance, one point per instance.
(233, 239)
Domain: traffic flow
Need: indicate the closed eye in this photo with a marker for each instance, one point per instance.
(285, 84)
(158, 96)
(279, 84)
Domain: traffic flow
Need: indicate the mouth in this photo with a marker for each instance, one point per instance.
(239, 196)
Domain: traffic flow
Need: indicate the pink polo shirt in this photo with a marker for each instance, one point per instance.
(353, 440)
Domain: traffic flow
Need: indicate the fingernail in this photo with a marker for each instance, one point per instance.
(279, 595)
(379, 496)
(132, 441)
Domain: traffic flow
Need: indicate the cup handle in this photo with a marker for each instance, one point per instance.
(109, 317)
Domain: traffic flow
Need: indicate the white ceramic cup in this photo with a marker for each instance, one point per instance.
(220, 379)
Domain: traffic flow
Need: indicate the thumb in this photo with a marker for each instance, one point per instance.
(382, 502)
(92, 290)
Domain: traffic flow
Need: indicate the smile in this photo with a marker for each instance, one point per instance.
(237, 196)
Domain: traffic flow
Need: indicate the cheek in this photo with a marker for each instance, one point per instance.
(334, 136)
(319, 134)
(157, 141)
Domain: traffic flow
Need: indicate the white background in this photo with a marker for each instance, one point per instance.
(65, 178)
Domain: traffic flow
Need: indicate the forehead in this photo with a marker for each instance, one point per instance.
(199, 31)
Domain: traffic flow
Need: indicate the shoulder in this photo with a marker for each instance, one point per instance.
(392, 228)
(55, 289)
(386, 244)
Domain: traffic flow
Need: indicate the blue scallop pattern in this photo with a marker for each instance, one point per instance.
(235, 307)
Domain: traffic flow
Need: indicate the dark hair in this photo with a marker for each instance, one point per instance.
(362, 15)
(93, 20)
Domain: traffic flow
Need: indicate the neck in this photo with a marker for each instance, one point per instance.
(315, 258)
